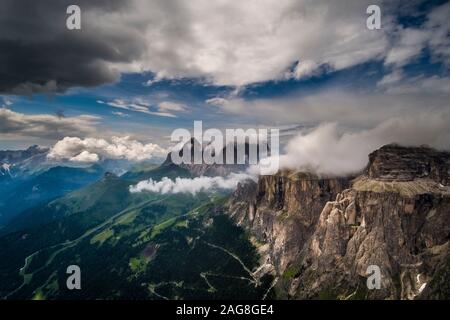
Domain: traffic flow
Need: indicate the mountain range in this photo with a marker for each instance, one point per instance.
(293, 235)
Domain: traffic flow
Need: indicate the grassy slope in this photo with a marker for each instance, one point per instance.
(122, 241)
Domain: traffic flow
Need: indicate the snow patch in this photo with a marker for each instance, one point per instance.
(5, 169)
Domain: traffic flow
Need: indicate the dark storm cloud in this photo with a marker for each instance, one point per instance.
(39, 54)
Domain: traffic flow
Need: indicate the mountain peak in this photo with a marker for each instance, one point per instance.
(110, 176)
(394, 162)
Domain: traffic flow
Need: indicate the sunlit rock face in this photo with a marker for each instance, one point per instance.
(324, 233)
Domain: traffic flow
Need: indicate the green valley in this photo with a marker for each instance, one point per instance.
(129, 246)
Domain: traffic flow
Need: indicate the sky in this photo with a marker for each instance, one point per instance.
(139, 69)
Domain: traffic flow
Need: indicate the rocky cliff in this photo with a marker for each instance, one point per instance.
(282, 211)
(397, 163)
(320, 235)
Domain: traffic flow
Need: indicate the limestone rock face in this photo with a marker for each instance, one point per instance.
(406, 237)
(323, 234)
(282, 211)
(393, 162)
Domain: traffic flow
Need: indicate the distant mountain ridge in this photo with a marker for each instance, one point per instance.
(19, 164)
(172, 170)
(45, 186)
(15, 156)
(216, 169)
(28, 178)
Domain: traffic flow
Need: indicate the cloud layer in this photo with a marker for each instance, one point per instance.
(44, 125)
(224, 42)
(192, 186)
(242, 42)
(93, 150)
(353, 107)
(327, 150)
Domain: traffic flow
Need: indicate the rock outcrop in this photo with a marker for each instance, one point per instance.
(393, 162)
(323, 234)
(282, 211)
(241, 158)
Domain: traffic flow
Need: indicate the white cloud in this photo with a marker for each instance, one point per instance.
(328, 151)
(193, 186)
(85, 156)
(93, 149)
(391, 78)
(217, 102)
(439, 39)
(304, 69)
(163, 109)
(430, 85)
(120, 114)
(171, 106)
(232, 43)
(242, 42)
(409, 46)
(409, 43)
